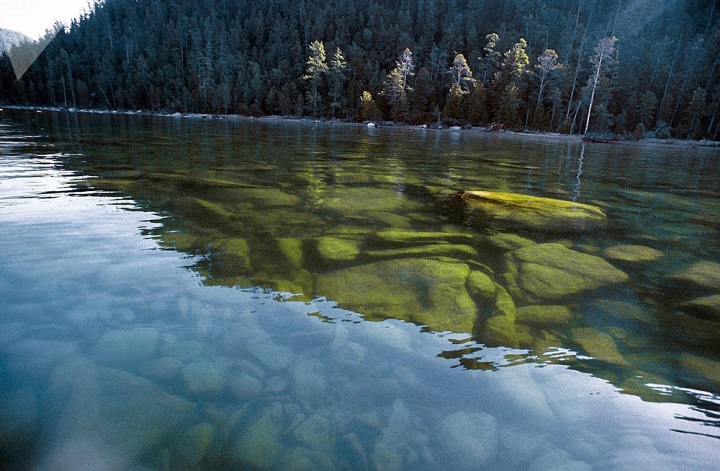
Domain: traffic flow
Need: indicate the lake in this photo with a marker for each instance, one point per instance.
(253, 294)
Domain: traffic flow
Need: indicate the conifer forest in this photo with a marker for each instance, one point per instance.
(613, 67)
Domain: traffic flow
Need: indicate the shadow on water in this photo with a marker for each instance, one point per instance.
(352, 221)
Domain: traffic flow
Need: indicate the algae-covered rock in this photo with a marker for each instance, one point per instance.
(335, 250)
(291, 249)
(424, 251)
(395, 236)
(505, 242)
(552, 271)
(632, 254)
(481, 287)
(707, 308)
(543, 315)
(531, 213)
(424, 291)
(703, 275)
(500, 331)
(266, 197)
(357, 200)
(598, 345)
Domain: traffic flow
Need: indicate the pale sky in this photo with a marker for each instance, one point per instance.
(33, 17)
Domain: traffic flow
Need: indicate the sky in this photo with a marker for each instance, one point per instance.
(33, 17)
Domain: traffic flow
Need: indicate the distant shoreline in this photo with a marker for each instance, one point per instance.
(530, 135)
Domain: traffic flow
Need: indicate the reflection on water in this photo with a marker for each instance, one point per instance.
(114, 355)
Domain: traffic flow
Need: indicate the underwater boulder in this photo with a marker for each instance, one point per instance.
(552, 271)
(704, 275)
(707, 308)
(424, 291)
(529, 213)
(632, 254)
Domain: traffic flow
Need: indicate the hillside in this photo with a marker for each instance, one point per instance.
(8, 38)
(555, 65)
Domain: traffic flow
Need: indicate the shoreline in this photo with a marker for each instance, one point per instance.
(530, 135)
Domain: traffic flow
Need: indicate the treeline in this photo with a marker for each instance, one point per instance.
(610, 66)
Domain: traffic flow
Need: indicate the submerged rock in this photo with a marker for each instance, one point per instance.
(424, 291)
(126, 347)
(702, 275)
(423, 251)
(204, 378)
(598, 345)
(632, 254)
(530, 213)
(259, 444)
(552, 271)
(395, 237)
(336, 250)
(106, 418)
(193, 445)
(469, 440)
(707, 308)
(543, 315)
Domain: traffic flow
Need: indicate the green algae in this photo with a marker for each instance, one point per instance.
(423, 291)
(632, 254)
(543, 315)
(531, 213)
(552, 271)
(435, 250)
(395, 236)
(333, 250)
(599, 345)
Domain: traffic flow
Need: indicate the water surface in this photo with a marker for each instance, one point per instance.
(171, 297)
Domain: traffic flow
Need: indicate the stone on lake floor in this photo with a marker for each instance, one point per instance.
(598, 345)
(632, 254)
(315, 433)
(272, 356)
(333, 250)
(424, 291)
(309, 380)
(246, 387)
(302, 459)
(552, 271)
(707, 308)
(543, 315)
(530, 213)
(505, 242)
(162, 369)
(468, 439)
(126, 347)
(204, 378)
(259, 443)
(700, 275)
(106, 418)
(481, 287)
(33, 358)
(192, 446)
(399, 237)
(425, 251)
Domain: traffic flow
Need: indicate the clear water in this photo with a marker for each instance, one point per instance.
(160, 305)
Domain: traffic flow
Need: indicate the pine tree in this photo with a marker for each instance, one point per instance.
(315, 68)
(337, 76)
(601, 60)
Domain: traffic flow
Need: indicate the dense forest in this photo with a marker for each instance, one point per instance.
(605, 66)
